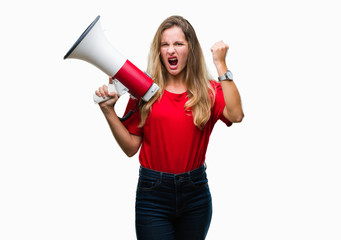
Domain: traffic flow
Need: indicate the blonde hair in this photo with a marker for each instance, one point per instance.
(200, 92)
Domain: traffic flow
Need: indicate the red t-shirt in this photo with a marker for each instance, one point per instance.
(170, 140)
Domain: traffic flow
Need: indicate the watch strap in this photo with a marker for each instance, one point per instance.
(226, 76)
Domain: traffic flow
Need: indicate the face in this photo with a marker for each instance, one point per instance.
(174, 50)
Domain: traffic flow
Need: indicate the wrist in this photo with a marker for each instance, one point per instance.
(226, 76)
(108, 110)
(221, 67)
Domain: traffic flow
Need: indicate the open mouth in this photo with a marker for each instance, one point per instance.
(173, 61)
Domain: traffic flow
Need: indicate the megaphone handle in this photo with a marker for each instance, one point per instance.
(97, 99)
(112, 88)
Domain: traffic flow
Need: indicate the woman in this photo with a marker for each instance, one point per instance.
(173, 200)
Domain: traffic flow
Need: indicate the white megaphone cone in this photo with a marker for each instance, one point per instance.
(93, 47)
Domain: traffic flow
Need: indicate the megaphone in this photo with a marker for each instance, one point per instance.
(93, 47)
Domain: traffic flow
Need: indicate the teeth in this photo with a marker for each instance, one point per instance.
(172, 59)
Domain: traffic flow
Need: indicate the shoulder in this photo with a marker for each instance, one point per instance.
(214, 84)
(216, 93)
(215, 87)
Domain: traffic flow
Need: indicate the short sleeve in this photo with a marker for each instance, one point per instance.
(133, 122)
(219, 104)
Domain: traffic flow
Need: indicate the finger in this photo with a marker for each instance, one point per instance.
(218, 46)
(214, 47)
(109, 102)
(224, 45)
(221, 45)
(97, 93)
(111, 81)
(101, 91)
(105, 89)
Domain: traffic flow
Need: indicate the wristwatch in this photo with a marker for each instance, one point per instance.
(226, 76)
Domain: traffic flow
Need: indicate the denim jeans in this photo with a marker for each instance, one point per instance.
(173, 206)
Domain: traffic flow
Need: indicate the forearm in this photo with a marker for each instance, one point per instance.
(233, 109)
(128, 142)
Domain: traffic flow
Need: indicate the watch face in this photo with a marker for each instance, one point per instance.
(229, 75)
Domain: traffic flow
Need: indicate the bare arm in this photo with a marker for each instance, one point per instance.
(233, 110)
(128, 142)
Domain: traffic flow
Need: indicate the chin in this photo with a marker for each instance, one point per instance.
(175, 72)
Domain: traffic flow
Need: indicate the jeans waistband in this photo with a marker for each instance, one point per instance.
(158, 175)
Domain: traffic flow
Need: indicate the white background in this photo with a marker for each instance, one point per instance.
(276, 175)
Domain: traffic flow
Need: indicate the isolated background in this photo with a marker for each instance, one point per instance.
(276, 175)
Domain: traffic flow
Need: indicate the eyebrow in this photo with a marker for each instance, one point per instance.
(178, 41)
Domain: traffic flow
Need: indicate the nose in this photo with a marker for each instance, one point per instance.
(171, 49)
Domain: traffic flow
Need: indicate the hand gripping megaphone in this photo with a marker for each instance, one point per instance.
(93, 47)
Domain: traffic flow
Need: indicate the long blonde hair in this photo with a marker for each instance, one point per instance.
(200, 92)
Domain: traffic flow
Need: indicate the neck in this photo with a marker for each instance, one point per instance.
(176, 84)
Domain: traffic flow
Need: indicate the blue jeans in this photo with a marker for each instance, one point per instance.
(173, 206)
